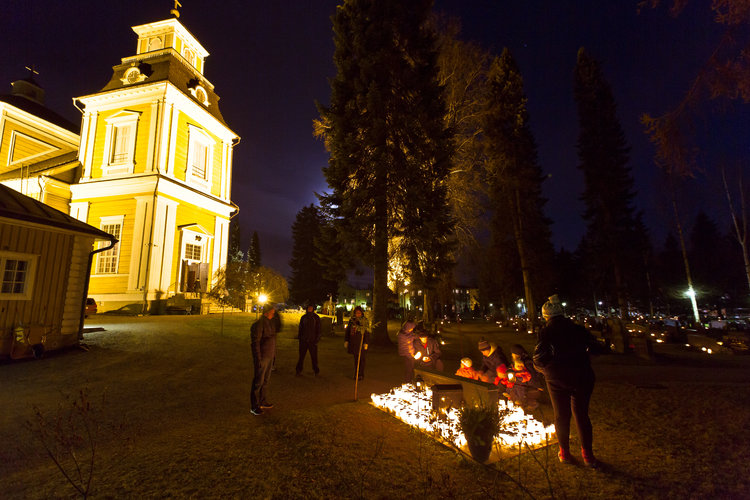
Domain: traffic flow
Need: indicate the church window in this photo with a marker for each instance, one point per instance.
(109, 259)
(193, 252)
(122, 137)
(16, 280)
(188, 55)
(155, 43)
(199, 155)
(119, 143)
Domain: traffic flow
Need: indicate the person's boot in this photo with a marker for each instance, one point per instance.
(588, 458)
(565, 457)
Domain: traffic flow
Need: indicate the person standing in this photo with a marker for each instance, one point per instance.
(406, 349)
(309, 336)
(356, 338)
(562, 355)
(263, 340)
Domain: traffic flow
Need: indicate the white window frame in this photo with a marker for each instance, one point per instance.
(113, 254)
(121, 162)
(28, 278)
(194, 238)
(198, 138)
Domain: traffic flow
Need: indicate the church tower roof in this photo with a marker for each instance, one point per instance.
(167, 51)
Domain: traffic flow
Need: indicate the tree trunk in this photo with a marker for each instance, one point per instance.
(740, 226)
(684, 250)
(525, 272)
(380, 268)
(621, 302)
(428, 315)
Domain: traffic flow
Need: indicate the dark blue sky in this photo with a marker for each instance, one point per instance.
(270, 62)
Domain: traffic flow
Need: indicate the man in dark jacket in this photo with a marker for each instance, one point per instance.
(562, 355)
(309, 336)
(263, 340)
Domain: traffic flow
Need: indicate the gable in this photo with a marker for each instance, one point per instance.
(24, 143)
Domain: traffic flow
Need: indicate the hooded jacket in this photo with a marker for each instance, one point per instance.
(491, 363)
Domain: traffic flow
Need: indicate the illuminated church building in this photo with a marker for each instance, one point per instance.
(152, 166)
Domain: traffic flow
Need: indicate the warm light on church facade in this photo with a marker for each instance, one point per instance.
(154, 168)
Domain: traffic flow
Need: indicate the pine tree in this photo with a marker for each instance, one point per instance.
(515, 180)
(253, 252)
(235, 243)
(608, 193)
(308, 283)
(389, 148)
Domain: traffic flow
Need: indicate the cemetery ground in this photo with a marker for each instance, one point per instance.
(166, 400)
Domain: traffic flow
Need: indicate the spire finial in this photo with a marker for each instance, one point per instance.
(175, 12)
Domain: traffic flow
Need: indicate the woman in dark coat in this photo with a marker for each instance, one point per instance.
(562, 355)
(356, 338)
(406, 349)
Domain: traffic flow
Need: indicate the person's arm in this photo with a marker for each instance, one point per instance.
(318, 331)
(255, 340)
(435, 353)
(544, 353)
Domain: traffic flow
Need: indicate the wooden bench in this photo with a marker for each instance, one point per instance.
(452, 389)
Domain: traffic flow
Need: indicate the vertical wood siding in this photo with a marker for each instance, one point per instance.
(50, 279)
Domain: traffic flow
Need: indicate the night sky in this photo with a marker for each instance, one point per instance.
(270, 62)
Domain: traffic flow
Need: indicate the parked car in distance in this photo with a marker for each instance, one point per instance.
(91, 307)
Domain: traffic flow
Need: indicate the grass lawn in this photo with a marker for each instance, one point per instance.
(166, 399)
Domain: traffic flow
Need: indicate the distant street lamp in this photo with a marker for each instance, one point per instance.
(262, 299)
(691, 293)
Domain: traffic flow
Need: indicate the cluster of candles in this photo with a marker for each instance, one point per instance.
(414, 407)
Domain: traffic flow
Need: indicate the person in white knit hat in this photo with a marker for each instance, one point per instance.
(562, 355)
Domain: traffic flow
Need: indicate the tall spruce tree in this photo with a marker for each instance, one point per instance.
(389, 147)
(308, 282)
(515, 179)
(253, 252)
(235, 241)
(608, 194)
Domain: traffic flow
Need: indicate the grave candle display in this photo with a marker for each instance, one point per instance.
(413, 406)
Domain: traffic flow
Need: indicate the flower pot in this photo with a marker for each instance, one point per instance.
(480, 447)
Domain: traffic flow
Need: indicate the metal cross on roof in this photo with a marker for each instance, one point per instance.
(33, 70)
(175, 12)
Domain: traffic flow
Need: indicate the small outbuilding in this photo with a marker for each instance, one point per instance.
(45, 263)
